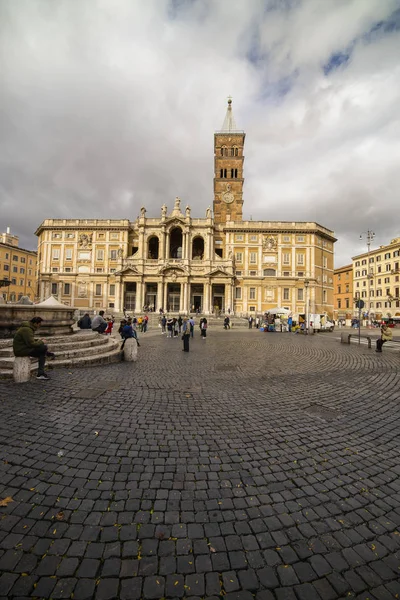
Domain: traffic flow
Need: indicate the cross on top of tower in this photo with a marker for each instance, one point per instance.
(229, 121)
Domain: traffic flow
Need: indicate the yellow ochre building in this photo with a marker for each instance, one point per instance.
(181, 262)
(17, 269)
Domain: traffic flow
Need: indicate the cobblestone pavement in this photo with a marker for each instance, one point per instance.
(258, 466)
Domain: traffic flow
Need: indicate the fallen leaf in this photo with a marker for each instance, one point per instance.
(60, 516)
(212, 549)
(6, 501)
(96, 433)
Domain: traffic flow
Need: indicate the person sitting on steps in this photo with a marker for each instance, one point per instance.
(24, 344)
(386, 336)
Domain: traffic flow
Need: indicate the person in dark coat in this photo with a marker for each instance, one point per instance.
(85, 322)
(25, 344)
(185, 334)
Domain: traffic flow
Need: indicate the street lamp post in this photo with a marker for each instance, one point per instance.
(306, 284)
(369, 236)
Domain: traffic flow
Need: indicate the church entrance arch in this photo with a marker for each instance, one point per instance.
(218, 297)
(196, 297)
(150, 299)
(175, 243)
(173, 297)
(130, 295)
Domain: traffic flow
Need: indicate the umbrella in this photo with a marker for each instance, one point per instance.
(278, 311)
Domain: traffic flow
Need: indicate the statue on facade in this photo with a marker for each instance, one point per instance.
(142, 211)
(120, 252)
(177, 205)
(85, 240)
(82, 289)
(208, 212)
(187, 210)
(164, 211)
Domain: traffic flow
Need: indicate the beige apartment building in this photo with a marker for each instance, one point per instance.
(376, 280)
(18, 266)
(343, 293)
(181, 262)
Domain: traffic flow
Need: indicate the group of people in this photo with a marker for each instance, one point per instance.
(99, 323)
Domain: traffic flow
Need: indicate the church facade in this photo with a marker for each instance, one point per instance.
(181, 263)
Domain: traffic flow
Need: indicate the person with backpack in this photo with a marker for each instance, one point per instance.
(203, 326)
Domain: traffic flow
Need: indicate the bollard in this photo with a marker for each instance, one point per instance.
(130, 350)
(22, 369)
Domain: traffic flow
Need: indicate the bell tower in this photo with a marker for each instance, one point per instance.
(228, 170)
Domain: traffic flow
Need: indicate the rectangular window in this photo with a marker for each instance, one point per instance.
(339, 289)
(13, 281)
(339, 303)
(54, 289)
(238, 238)
(238, 293)
(300, 259)
(56, 236)
(15, 269)
(100, 254)
(300, 294)
(387, 255)
(15, 257)
(23, 259)
(254, 238)
(68, 269)
(252, 273)
(300, 238)
(239, 257)
(253, 258)
(286, 239)
(101, 236)
(379, 269)
(347, 288)
(252, 294)
(68, 254)
(324, 297)
(286, 258)
(114, 236)
(325, 262)
(286, 294)
(54, 269)
(238, 273)
(21, 282)
(98, 289)
(113, 255)
(70, 236)
(99, 270)
(29, 271)
(388, 267)
(286, 273)
(56, 254)
(378, 258)
(67, 289)
(6, 268)
(112, 289)
(387, 280)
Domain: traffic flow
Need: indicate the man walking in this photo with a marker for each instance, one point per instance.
(24, 344)
(185, 334)
(99, 323)
(386, 336)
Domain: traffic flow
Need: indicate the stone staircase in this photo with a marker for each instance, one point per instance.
(211, 319)
(82, 349)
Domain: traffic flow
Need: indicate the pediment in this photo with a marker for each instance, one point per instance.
(175, 221)
(128, 271)
(219, 273)
(169, 269)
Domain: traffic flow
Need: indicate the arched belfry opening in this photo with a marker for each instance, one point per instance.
(153, 247)
(198, 248)
(175, 243)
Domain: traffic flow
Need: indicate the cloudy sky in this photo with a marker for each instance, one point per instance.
(107, 105)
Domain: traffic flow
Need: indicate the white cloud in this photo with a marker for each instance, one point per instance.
(112, 104)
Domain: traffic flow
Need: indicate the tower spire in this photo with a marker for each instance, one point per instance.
(229, 121)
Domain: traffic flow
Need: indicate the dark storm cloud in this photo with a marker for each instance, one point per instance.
(108, 105)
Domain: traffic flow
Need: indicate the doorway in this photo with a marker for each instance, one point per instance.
(196, 297)
(218, 297)
(150, 300)
(130, 296)
(174, 297)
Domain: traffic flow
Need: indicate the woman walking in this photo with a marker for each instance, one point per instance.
(204, 329)
(185, 334)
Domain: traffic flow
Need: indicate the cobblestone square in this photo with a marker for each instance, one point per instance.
(256, 466)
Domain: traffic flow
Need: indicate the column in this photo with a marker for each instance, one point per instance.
(181, 299)
(160, 299)
(206, 298)
(161, 253)
(139, 297)
(118, 300)
(165, 297)
(166, 246)
(228, 293)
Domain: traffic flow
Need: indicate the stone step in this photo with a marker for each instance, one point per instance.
(99, 340)
(71, 352)
(72, 356)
